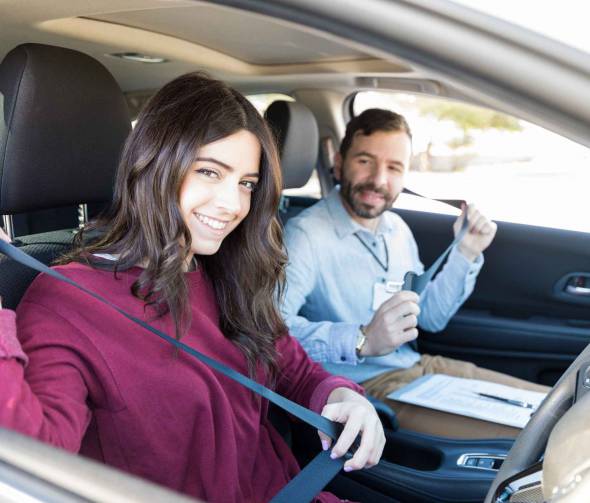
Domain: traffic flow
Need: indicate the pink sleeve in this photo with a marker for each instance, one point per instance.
(43, 394)
(9, 346)
(303, 380)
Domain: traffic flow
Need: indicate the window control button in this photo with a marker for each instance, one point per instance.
(485, 463)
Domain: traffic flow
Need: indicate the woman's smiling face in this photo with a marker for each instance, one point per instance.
(216, 193)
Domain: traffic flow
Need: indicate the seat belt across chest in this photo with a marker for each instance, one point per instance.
(307, 483)
(322, 469)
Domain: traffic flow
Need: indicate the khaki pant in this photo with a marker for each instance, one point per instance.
(435, 422)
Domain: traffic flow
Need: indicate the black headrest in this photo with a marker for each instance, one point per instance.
(63, 122)
(297, 134)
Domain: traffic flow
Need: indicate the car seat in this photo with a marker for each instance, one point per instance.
(296, 132)
(63, 124)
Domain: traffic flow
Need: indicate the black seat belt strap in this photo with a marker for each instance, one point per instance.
(455, 203)
(417, 282)
(311, 479)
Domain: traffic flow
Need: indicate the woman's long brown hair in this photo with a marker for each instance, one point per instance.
(144, 225)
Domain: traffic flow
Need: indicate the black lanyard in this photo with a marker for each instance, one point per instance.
(385, 266)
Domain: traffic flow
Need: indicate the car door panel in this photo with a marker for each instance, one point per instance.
(518, 319)
(536, 350)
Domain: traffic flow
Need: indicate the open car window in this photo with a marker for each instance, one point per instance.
(514, 171)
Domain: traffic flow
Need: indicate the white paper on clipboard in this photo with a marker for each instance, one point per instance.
(458, 395)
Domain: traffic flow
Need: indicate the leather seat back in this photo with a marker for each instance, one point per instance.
(297, 135)
(63, 123)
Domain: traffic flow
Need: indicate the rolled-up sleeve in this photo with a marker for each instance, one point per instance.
(444, 295)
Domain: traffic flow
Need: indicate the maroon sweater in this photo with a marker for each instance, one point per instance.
(98, 384)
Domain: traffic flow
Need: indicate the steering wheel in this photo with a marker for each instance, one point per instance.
(530, 443)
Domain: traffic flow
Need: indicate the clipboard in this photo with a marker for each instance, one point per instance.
(458, 395)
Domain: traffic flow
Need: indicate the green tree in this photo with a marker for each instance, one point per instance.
(468, 117)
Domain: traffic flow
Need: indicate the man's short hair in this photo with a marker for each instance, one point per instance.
(371, 120)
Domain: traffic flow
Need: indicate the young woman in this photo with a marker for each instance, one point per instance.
(191, 244)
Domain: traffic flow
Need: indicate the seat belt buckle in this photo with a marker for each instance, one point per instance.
(409, 279)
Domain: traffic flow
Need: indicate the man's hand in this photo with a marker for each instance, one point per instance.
(358, 416)
(393, 324)
(479, 235)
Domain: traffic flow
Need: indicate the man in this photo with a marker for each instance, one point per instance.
(347, 254)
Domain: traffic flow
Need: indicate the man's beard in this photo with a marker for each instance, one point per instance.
(350, 193)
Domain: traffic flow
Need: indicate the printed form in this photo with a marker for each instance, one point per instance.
(457, 395)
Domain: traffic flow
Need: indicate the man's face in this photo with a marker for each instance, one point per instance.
(372, 173)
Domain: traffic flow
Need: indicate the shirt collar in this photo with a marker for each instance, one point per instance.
(344, 223)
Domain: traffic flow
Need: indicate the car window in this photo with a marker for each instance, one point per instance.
(511, 169)
(312, 187)
(565, 21)
(262, 101)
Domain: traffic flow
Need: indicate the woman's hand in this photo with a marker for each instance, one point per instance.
(358, 416)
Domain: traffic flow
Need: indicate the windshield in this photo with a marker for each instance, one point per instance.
(565, 21)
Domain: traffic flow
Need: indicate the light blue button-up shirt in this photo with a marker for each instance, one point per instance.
(330, 279)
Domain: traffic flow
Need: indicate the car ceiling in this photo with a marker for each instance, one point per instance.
(239, 46)
(439, 49)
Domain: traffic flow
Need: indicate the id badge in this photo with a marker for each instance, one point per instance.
(384, 291)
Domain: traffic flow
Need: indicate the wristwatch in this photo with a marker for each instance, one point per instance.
(360, 341)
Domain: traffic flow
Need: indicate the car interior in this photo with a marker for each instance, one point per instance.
(74, 77)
